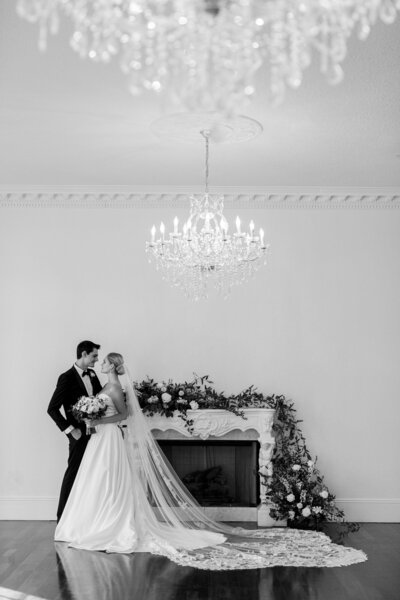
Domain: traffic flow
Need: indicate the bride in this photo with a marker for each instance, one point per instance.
(127, 498)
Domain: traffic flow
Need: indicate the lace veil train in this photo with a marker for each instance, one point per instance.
(175, 525)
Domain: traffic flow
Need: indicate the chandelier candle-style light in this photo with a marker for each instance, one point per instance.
(203, 254)
(205, 53)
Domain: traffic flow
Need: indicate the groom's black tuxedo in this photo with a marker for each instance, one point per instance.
(70, 388)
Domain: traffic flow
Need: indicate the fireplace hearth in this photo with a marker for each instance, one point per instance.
(217, 431)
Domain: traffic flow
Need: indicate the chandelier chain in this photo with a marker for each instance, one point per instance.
(206, 135)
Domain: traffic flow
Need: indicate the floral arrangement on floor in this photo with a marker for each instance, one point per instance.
(296, 487)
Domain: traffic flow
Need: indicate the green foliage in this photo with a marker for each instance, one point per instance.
(296, 487)
(167, 397)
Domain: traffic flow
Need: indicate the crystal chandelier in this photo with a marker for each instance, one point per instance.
(203, 253)
(204, 53)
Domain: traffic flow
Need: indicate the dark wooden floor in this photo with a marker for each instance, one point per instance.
(33, 564)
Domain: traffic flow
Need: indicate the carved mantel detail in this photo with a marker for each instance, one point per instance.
(214, 424)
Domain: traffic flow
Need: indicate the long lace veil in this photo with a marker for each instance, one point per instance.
(169, 514)
(170, 500)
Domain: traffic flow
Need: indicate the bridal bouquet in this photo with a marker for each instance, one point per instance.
(89, 408)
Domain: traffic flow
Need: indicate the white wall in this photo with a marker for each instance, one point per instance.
(320, 324)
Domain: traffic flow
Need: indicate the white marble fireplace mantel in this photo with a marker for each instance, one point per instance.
(216, 424)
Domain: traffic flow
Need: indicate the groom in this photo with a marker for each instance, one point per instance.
(78, 381)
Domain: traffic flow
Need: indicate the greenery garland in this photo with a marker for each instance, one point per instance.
(296, 487)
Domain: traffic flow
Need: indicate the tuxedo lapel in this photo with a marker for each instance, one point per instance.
(96, 383)
(79, 380)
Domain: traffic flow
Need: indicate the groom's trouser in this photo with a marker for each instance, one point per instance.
(76, 451)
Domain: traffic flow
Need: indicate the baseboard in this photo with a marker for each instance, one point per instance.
(370, 510)
(43, 508)
(28, 508)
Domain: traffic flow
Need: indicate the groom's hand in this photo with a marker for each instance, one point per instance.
(76, 433)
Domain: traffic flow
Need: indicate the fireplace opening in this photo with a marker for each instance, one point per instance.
(221, 473)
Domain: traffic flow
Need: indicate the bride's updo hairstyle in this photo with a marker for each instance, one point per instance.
(118, 361)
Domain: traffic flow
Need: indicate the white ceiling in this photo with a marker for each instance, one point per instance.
(64, 122)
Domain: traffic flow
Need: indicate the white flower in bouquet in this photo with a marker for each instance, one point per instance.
(316, 510)
(163, 389)
(299, 505)
(324, 494)
(90, 408)
(166, 398)
(181, 393)
(181, 401)
(310, 463)
(160, 386)
(290, 497)
(291, 514)
(194, 405)
(296, 467)
(306, 512)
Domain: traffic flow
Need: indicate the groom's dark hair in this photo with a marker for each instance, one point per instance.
(85, 346)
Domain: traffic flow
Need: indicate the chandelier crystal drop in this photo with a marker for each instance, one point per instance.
(205, 53)
(203, 254)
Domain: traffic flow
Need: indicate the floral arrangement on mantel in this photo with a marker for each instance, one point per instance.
(296, 488)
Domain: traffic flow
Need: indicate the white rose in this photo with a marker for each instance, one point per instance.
(194, 405)
(166, 397)
(291, 514)
(299, 505)
(160, 385)
(181, 393)
(163, 389)
(306, 512)
(310, 463)
(296, 467)
(290, 498)
(324, 494)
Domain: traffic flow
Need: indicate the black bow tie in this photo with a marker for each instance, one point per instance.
(87, 372)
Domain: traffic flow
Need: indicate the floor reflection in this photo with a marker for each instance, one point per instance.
(94, 575)
(299, 583)
(87, 575)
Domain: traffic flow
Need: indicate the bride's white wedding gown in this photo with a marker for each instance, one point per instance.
(108, 509)
(104, 510)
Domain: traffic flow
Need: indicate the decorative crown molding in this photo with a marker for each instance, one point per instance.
(125, 197)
